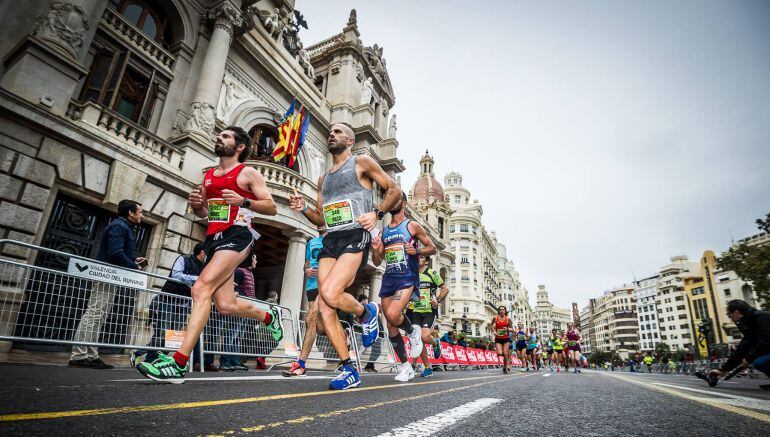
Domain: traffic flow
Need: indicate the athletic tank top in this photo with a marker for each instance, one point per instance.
(222, 215)
(572, 338)
(344, 198)
(394, 241)
(429, 282)
(501, 327)
(521, 336)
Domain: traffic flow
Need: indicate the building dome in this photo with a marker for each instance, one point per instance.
(421, 189)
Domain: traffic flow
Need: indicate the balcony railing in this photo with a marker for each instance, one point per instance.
(282, 180)
(130, 135)
(124, 29)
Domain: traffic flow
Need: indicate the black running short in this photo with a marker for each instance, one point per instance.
(423, 320)
(502, 340)
(312, 294)
(235, 238)
(409, 314)
(335, 244)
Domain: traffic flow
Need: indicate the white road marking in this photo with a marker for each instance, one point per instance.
(730, 399)
(546, 375)
(433, 424)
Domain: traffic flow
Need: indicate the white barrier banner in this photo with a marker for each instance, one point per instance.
(105, 273)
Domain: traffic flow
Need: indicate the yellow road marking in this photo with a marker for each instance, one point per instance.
(304, 419)
(214, 403)
(711, 402)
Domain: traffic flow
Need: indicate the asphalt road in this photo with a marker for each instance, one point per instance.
(40, 400)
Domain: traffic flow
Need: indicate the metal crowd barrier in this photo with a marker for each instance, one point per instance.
(323, 349)
(95, 304)
(380, 352)
(233, 336)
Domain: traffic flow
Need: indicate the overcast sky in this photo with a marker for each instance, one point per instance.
(600, 137)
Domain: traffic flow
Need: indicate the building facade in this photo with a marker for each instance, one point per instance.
(645, 292)
(586, 328)
(548, 316)
(673, 315)
(625, 330)
(123, 102)
(483, 278)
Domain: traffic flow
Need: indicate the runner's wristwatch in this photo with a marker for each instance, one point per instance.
(380, 214)
(246, 203)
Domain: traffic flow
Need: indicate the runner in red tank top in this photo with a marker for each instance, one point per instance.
(503, 327)
(230, 196)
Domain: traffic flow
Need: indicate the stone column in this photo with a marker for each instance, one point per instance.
(226, 17)
(293, 272)
(46, 66)
(374, 286)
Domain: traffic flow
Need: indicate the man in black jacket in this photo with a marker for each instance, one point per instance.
(118, 247)
(754, 348)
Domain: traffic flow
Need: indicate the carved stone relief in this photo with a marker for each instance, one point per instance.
(65, 24)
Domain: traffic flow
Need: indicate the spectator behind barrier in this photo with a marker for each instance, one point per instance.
(117, 247)
(754, 348)
(449, 337)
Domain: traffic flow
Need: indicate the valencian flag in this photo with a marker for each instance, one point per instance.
(283, 132)
(291, 132)
(299, 140)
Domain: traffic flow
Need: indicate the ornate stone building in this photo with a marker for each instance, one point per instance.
(102, 100)
(548, 316)
(483, 278)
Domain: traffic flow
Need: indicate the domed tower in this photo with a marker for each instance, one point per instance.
(428, 200)
(427, 189)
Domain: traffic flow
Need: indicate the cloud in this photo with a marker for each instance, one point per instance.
(618, 134)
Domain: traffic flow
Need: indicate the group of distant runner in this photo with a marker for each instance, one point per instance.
(233, 193)
(560, 349)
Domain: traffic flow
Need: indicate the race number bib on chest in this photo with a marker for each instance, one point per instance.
(338, 213)
(395, 254)
(219, 211)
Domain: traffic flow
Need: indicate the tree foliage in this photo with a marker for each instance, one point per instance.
(662, 350)
(751, 263)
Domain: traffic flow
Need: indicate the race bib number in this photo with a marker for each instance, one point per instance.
(219, 211)
(395, 254)
(338, 213)
(521, 337)
(502, 332)
(424, 302)
(572, 343)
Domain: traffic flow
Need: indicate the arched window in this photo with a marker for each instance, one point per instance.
(150, 21)
(263, 138)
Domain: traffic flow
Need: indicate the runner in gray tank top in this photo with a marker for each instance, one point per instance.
(344, 206)
(344, 198)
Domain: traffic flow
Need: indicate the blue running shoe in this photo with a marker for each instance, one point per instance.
(437, 350)
(348, 378)
(370, 327)
(427, 373)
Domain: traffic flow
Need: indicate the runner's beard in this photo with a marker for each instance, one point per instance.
(222, 151)
(336, 149)
(396, 211)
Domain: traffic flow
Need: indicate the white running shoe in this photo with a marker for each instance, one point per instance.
(415, 339)
(406, 373)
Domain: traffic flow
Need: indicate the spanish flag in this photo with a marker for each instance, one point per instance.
(283, 132)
